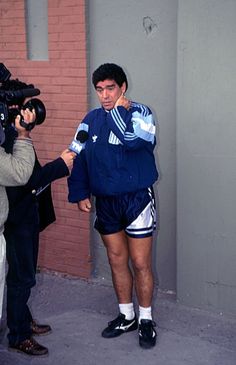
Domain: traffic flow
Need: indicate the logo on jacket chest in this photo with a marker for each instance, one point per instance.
(94, 138)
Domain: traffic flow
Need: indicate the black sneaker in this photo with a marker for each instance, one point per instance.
(147, 334)
(119, 326)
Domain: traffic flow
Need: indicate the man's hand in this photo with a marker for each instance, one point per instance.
(123, 101)
(85, 205)
(29, 117)
(68, 157)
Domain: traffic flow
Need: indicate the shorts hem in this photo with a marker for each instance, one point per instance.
(139, 235)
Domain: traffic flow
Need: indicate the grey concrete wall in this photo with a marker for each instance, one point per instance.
(196, 141)
(37, 29)
(141, 37)
(206, 154)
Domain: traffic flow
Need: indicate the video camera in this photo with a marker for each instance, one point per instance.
(13, 93)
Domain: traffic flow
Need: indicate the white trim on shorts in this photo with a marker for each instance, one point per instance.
(145, 223)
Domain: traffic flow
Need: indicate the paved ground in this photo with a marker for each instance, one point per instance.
(78, 310)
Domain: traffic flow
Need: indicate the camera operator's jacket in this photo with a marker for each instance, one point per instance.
(32, 203)
(118, 155)
(15, 169)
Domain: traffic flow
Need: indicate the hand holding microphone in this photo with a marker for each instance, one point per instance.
(68, 157)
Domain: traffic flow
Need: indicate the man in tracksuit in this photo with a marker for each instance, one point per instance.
(117, 166)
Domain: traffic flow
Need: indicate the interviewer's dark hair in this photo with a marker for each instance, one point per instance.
(109, 71)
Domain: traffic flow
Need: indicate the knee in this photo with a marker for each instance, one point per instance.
(141, 265)
(117, 259)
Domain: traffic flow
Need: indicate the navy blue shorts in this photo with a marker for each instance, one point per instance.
(135, 213)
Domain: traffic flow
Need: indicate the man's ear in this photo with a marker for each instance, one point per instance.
(123, 87)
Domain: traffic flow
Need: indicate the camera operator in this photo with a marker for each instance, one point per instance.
(30, 211)
(15, 169)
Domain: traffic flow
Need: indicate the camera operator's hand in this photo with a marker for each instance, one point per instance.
(29, 117)
(68, 157)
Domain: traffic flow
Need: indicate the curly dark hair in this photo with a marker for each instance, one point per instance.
(109, 71)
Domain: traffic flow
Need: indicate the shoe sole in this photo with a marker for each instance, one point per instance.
(12, 349)
(41, 334)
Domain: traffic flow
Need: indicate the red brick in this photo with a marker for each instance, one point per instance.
(64, 245)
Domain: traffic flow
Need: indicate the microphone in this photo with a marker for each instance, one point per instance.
(78, 143)
(82, 136)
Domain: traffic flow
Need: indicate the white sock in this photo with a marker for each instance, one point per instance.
(128, 310)
(145, 313)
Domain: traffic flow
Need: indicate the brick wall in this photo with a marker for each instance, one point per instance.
(64, 246)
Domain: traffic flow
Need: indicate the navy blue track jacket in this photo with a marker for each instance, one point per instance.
(118, 155)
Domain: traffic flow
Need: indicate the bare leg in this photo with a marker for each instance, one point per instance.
(141, 255)
(118, 256)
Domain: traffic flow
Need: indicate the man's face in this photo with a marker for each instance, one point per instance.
(108, 91)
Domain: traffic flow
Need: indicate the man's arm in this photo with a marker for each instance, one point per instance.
(132, 123)
(51, 171)
(78, 181)
(16, 168)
